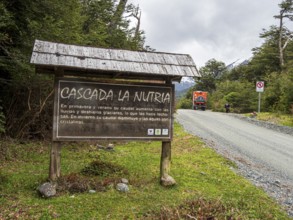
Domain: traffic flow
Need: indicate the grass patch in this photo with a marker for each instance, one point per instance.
(101, 168)
(276, 118)
(199, 208)
(207, 188)
(281, 119)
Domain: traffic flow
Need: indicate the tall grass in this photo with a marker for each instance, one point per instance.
(281, 119)
(207, 187)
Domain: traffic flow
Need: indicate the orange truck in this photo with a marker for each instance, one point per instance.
(199, 100)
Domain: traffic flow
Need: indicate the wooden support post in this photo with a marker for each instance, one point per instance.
(165, 179)
(55, 154)
(55, 161)
(165, 159)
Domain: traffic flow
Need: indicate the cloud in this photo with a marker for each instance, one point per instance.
(222, 29)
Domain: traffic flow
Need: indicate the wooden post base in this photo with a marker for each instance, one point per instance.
(55, 161)
(165, 165)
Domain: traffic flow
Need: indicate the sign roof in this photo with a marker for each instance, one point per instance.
(115, 62)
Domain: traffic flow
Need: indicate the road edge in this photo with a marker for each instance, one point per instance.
(269, 125)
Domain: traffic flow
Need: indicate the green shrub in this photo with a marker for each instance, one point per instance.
(240, 95)
(184, 103)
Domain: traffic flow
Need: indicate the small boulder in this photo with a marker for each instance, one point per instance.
(47, 190)
(110, 147)
(122, 187)
(100, 147)
(167, 181)
(123, 180)
(253, 114)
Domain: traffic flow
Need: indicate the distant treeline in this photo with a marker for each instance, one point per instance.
(272, 63)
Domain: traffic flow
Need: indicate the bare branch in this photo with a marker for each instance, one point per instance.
(286, 43)
(29, 99)
(21, 132)
(45, 101)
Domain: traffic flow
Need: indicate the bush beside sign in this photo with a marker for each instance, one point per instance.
(91, 110)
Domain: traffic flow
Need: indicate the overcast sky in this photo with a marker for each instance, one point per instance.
(226, 30)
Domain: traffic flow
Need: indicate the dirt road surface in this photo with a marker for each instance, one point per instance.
(263, 155)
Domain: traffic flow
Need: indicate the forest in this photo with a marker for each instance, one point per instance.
(272, 63)
(26, 97)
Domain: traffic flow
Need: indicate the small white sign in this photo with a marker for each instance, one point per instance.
(260, 85)
(165, 131)
(151, 131)
(158, 131)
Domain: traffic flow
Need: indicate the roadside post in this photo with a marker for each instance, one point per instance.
(111, 94)
(259, 88)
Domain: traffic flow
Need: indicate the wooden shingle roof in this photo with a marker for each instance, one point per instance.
(73, 59)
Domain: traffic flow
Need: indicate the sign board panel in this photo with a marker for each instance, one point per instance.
(260, 86)
(86, 110)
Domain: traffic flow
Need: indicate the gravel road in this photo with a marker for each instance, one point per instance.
(263, 152)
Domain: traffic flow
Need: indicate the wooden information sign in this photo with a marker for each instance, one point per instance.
(88, 110)
(91, 110)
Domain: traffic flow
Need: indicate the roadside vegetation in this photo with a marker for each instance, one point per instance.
(276, 118)
(207, 184)
(235, 83)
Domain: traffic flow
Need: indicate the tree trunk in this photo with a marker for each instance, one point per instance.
(117, 17)
(281, 49)
(137, 16)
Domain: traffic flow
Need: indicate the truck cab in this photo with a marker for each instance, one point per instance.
(199, 100)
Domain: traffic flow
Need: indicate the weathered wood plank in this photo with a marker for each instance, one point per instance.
(80, 57)
(119, 66)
